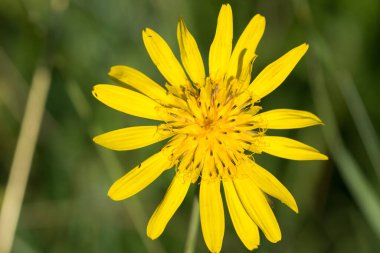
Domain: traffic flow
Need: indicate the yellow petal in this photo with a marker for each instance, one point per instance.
(131, 137)
(220, 50)
(289, 148)
(270, 185)
(245, 227)
(139, 81)
(190, 55)
(285, 119)
(257, 207)
(276, 72)
(140, 176)
(163, 57)
(126, 101)
(245, 49)
(168, 206)
(212, 215)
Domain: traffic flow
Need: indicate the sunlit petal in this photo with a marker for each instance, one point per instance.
(168, 206)
(220, 50)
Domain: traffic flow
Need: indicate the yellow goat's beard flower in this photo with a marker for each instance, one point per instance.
(215, 129)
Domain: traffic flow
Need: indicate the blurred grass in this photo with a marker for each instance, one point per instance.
(66, 208)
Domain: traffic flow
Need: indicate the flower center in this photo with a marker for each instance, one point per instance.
(213, 127)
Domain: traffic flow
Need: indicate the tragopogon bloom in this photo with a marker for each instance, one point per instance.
(215, 130)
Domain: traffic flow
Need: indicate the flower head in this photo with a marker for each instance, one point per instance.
(215, 129)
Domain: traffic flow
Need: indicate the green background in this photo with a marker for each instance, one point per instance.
(66, 208)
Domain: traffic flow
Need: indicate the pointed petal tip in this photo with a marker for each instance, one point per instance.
(324, 157)
(295, 208)
(320, 157)
(292, 205)
(99, 140)
(305, 46)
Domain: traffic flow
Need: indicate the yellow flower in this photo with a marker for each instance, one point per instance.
(215, 129)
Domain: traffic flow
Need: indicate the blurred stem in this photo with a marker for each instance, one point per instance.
(22, 160)
(346, 85)
(357, 183)
(361, 119)
(360, 188)
(193, 227)
(355, 105)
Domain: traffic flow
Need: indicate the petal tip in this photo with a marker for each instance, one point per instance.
(295, 209)
(94, 93)
(324, 157)
(260, 18)
(274, 238)
(114, 71)
(96, 139)
(305, 46)
(226, 5)
(150, 233)
(112, 194)
(147, 32)
(253, 247)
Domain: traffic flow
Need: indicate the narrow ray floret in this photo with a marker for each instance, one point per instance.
(215, 129)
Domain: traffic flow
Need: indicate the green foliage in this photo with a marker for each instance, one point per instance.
(66, 208)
